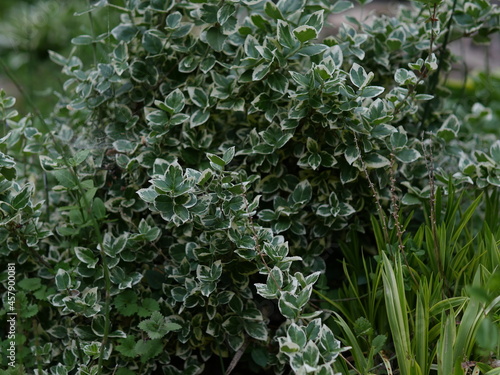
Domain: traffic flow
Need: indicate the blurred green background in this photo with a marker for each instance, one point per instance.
(29, 29)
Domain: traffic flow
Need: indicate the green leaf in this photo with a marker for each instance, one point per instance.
(289, 347)
(215, 38)
(376, 161)
(408, 155)
(256, 329)
(398, 140)
(311, 355)
(159, 118)
(314, 160)
(273, 11)
(278, 82)
(148, 349)
(405, 77)
(316, 20)
(82, 40)
(351, 154)
(188, 64)
(341, 6)
(86, 256)
(80, 157)
(312, 50)
(175, 101)
(157, 326)
(302, 192)
(199, 117)
(371, 91)
(207, 64)
(285, 37)
(450, 128)
(65, 178)
(304, 33)
(287, 309)
(260, 356)
(358, 75)
(495, 151)
(173, 20)
(216, 159)
(260, 71)
(30, 284)
(228, 155)
(126, 347)
(98, 208)
(424, 97)
(63, 279)
(147, 195)
(152, 41)
(22, 198)
(296, 335)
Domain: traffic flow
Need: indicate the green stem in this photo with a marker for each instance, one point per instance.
(435, 77)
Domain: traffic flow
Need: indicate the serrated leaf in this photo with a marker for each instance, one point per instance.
(30, 284)
(65, 178)
(157, 326)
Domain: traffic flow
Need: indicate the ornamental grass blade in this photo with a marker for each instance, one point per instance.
(466, 333)
(421, 340)
(445, 357)
(396, 305)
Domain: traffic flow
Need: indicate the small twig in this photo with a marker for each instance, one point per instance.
(350, 364)
(236, 358)
(375, 195)
(396, 217)
(433, 217)
(257, 245)
(433, 82)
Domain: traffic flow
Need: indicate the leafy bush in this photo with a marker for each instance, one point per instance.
(197, 179)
